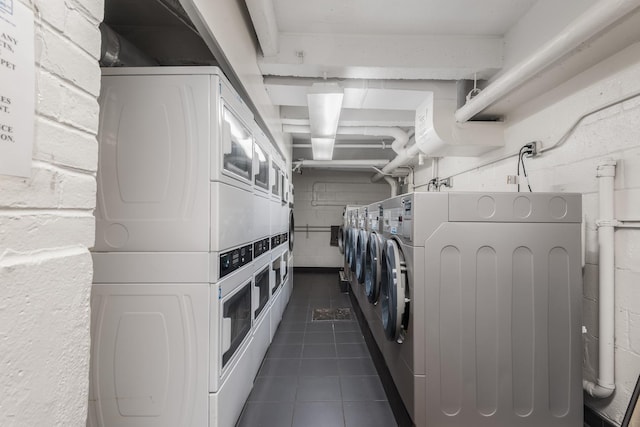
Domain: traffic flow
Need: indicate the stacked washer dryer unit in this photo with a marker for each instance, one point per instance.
(261, 304)
(478, 315)
(279, 241)
(175, 304)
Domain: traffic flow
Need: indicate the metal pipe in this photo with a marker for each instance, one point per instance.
(401, 138)
(586, 26)
(605, 384)
(393, 184)
(356, 164)
(116, 51)
(367, 146)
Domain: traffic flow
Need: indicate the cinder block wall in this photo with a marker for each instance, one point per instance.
(47, 226)
(610, 133)
(320, 197)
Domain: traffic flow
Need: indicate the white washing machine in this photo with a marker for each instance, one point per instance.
(361, 243)
(373, 254)
(480, 304)
(278, 282)
(168, 352)
(351, 237)
(176, 159)
(261, 307)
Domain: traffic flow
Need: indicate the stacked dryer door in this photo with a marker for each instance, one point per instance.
(174, 243)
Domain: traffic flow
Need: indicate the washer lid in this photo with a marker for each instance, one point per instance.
(393, 292)
(372, 267)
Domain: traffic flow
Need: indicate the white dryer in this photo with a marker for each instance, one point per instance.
(176, 157)
(261, 307)
(481, 307)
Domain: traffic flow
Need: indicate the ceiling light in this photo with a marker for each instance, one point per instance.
(322, 148)
(324, 101)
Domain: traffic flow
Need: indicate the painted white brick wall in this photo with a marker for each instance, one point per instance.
(613, 132)
(320, 197)
(47, 226)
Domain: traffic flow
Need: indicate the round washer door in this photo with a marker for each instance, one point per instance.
(347, 246)
(361, 249)
(372, 267)
(353, 238)
(341, 239)
(393, 290)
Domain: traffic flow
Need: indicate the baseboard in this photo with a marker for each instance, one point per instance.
(315, 269)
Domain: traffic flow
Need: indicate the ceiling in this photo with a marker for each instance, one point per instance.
(386, 56)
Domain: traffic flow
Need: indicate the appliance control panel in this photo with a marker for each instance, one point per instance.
(260, 247)
(234, 259)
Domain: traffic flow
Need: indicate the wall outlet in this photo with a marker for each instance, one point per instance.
(512, 179)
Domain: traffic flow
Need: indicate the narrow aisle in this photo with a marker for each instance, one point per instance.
(317, 372)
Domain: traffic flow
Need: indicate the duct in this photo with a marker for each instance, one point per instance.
(358, 146)
(586, 26)
(116, 51)
(605, 384)
(401, 138)
(393, 184)
(263, 16)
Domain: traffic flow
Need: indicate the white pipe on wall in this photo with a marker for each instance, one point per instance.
(606, 383)
(400, 137)
(591, 22)
(393, 184)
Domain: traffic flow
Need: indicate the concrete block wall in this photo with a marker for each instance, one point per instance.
(614, 133)
(47, 226)
(320, 197)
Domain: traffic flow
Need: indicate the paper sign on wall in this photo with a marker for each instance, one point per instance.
(17, 88)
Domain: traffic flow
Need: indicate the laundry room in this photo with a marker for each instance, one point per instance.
(339, 213)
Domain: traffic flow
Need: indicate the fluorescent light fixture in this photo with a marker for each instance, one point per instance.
(324, 101)
(322, 148)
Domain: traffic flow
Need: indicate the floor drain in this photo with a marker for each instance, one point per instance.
(320, 314)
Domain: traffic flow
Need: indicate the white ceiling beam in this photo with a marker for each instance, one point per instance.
(435, 57)
(263, 16)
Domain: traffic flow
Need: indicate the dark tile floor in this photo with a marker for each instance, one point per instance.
(317, 373)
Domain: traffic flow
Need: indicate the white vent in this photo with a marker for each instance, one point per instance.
(438, 134)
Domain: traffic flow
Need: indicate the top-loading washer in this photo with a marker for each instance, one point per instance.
(457, 268)
(175, 148)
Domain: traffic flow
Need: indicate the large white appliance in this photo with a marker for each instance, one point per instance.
(176, 339)
(350, 238)
(479, 310)
(176, 159)
(361, 242)
(261, 210)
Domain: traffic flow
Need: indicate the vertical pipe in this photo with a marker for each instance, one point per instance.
(605, 386)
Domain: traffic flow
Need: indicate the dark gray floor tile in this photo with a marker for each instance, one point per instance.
(323, 326)
(346, 326)
(351, 337)
(319, 367)
(368, 414)
(318, 414)
(279, 368)
(292, 327)
(319, 338)
(318, 389)
(274, 389)
(294, 317)
(353, 350)
(316, 351)
(271, 414)
(362, 388)
(288, 338)
(354, 367)
(284, 351)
